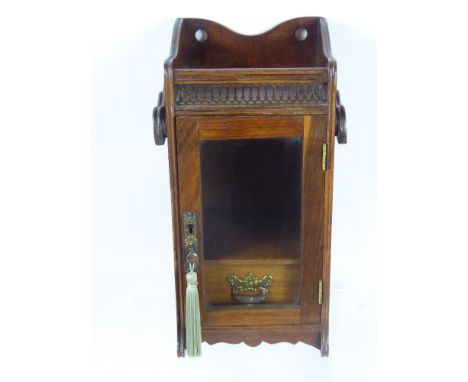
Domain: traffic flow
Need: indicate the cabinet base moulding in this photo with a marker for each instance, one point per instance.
(254, 336)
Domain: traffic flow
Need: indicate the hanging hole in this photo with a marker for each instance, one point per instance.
(301, 34)
(201, 35)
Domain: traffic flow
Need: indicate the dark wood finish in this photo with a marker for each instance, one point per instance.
(312, 217)
(251, 317)
(277, 48)
(249, 127)
(190, 131)
(159, 122)
(277, 111)
(227, 86)
(328, 184)
(340, 129)
(172, 149)
(252, 95)
(188, 166)
(246, 76)
(254, 336)
(287, 275)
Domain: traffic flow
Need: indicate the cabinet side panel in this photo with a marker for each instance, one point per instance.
(328, 204)
(172, 156)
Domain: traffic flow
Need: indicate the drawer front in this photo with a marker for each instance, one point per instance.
(284, 288)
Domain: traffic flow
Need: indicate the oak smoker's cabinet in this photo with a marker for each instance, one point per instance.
(250, 123)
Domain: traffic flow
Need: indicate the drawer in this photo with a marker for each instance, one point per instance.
(283, 290)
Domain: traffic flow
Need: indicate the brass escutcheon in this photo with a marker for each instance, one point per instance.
(190, 240)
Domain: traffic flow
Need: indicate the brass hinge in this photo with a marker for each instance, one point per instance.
(324, 156)
(320, 292)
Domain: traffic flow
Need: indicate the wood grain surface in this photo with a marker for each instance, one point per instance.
(274, 57)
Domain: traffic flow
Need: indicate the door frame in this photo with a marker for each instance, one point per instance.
(312, 129)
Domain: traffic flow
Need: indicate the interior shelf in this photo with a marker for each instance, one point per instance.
(251, 262)
(263, 234)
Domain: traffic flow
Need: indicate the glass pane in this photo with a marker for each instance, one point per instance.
(251, 199)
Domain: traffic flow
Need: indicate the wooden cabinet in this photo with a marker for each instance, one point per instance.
(250, 123)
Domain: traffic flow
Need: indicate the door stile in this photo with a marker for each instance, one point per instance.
(313, 181)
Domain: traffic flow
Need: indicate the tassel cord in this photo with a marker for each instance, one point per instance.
(192, 315)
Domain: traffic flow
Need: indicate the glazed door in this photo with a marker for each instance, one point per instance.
(256, 188)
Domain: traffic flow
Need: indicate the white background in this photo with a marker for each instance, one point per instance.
(134, 324)
(86, 248)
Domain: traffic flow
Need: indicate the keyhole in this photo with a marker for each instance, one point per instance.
(190, 229)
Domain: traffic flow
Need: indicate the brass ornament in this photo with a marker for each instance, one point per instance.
(249, 290)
